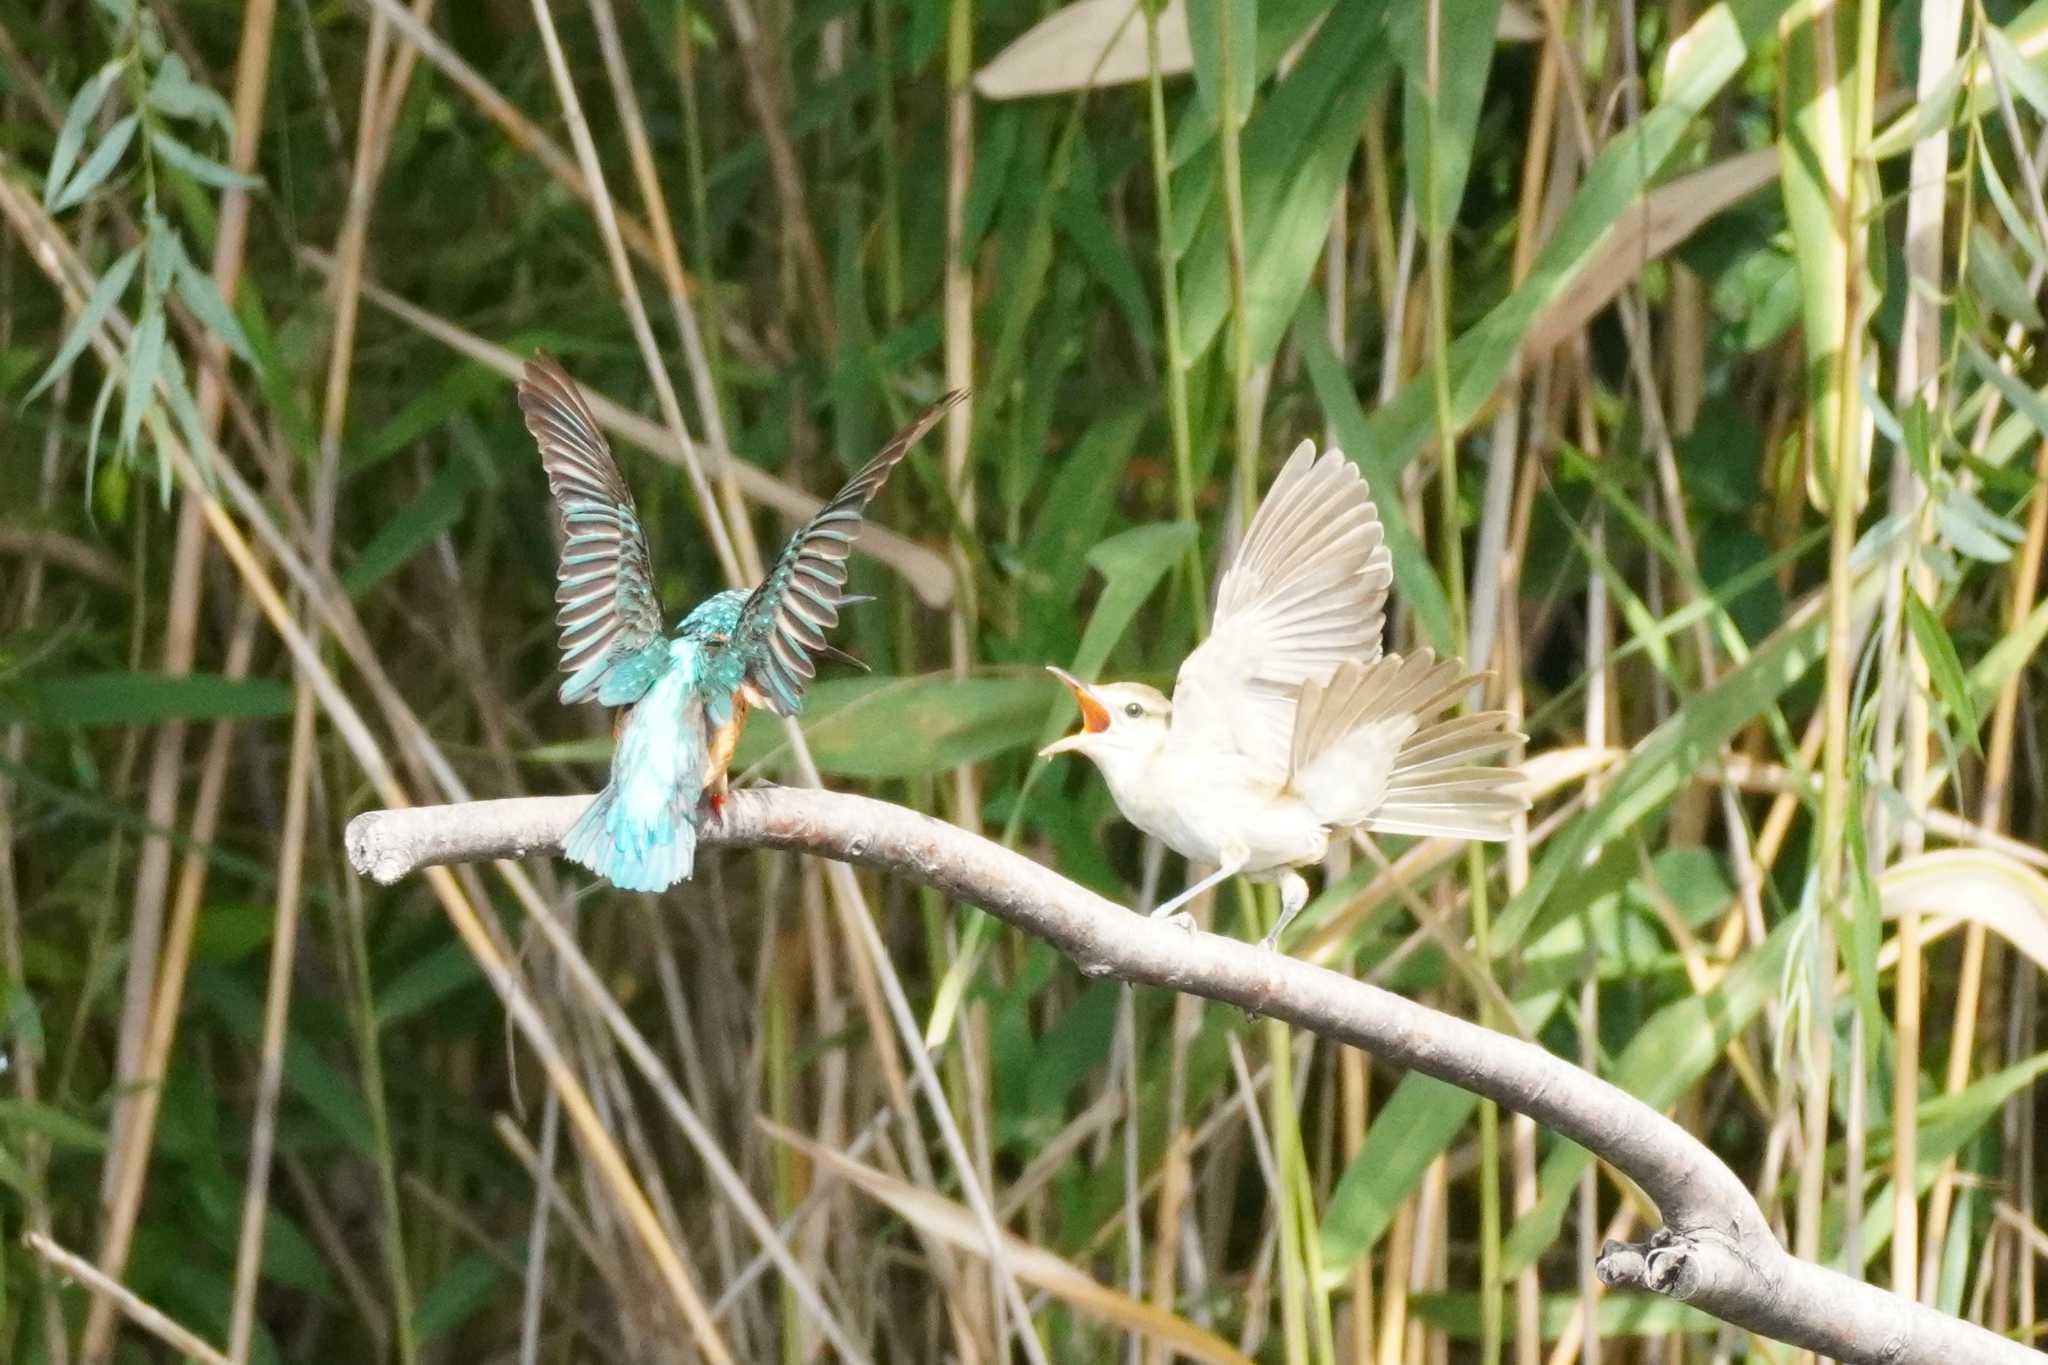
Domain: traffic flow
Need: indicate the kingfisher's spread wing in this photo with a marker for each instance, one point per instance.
(784, 621)
(605, 584)
(1306, 593)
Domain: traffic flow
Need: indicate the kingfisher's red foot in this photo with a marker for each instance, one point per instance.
(716, 801)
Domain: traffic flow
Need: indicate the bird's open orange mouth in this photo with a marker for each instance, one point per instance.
(1094, 715)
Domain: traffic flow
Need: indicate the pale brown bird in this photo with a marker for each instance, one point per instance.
(1288, 725)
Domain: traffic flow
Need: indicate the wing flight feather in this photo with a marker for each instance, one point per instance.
(605, 586)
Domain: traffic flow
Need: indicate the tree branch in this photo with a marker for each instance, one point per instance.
(1715, 1252)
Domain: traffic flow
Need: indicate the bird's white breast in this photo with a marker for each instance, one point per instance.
(1199, 804)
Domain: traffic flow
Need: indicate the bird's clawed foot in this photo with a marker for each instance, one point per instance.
(1293, 896)
(1179, 919)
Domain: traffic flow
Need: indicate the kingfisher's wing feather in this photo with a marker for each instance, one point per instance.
(783, 623)
(1306, 593)
(605, 583)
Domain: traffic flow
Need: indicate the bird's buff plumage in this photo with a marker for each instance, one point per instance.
(1288, 724)
(688, 697)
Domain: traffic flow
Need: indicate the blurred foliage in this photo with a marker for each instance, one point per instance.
(1647, 278)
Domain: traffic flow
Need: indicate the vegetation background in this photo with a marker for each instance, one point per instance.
(1691, 350)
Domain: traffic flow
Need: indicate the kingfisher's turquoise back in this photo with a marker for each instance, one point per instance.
(640, 834)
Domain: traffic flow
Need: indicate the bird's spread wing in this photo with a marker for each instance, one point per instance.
(1368, 751)
(609, 613)
(784, 621)
(1306, 593)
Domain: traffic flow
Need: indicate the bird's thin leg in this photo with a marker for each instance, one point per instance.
(1293, 895)
(1233, 862)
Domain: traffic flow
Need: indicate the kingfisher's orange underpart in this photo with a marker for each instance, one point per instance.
(724, 741)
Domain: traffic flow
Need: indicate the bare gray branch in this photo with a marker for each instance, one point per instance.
(1715, 1252)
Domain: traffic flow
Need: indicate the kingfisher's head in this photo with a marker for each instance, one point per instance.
(1122, 724)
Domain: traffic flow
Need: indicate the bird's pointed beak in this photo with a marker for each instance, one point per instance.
(1094, 715)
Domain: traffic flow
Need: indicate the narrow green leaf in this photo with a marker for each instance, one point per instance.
(99, 165)
(2023, 399)
(1297, 151)
(1997, 280)
(1664, 1059)
(439, 506)
(1944, 668)
(428, 408)
(202, 296)
(2009, 213)
(2020, 76)
(77, 121)
(1131, 565)
(1706, 58)
(883, 727)
(175, 93)
(145, 358)
(433, 977)
(54, 1124)
(1465, 43)
(112, 285)
(1672, 752)
(1947, 1122)
(1205, 33)
(140, 698)
(1413, 568)
(202, 168)
(455, 1297)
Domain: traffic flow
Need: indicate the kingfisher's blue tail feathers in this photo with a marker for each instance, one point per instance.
(632, 857)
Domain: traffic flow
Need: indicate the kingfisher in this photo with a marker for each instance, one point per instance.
(686, 696)
(1289, 724)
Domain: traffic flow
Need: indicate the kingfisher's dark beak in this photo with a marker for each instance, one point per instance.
(1094, 715)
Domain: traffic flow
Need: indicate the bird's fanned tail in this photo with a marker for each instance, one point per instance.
(1366, 752)
(630, 855)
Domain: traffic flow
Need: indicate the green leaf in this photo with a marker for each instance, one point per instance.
(1619, 1315)
(455, 1297)
(1465, 43)
(2022, 398)
(2020, 76)
(1947, 1122)
(77, 122)
(1663, 1060)
(1944, 669)
(1297, 151)
(1997, 280)
(1672, 752)
(1416, 1124)
(229, 933)
(432, 977)
(112, 285)
(99, 165)
(1705, 58)
(882, 727)
(322, 1087)
(202, 168)
(2009, 655)
(145, 360)
(430, 405)
(1131, 564)
(202, 296)
(141, 699)
(175, 93)
(1206, 20)
(438, 507)
(1413, 571)
(54, 1124)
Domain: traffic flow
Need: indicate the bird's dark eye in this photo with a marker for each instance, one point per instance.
(1133, 710)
